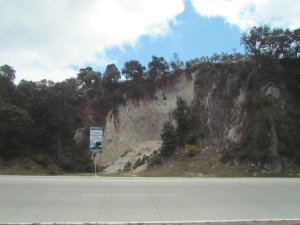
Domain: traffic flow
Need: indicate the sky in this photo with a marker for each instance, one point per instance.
(53, 39)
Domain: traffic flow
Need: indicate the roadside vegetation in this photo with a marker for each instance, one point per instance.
(207, 164)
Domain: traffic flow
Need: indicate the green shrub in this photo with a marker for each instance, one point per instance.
(54, 170)
(181, 117)
(169, 139)
(227, 157)
(43, 160)
(155, 159)
(127, 166)
(28, 163)
(83, 164)
(65, 163)
(137, 163)
(140, 162)
(191, 150)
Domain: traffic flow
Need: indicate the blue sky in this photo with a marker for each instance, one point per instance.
(192, 36)
(45, 39)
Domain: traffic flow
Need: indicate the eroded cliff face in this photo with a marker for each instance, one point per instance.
(220, 100)
(134, 130)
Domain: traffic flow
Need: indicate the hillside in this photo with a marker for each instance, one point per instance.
(245, 105)
(229, 109)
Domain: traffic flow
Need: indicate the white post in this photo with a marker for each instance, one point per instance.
(95, 164)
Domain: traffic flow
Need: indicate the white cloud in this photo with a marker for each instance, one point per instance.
(248, 13)
(46, 38)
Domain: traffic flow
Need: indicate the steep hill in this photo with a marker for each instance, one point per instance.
(239, 106)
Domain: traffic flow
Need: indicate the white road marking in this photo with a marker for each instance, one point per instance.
(160, 195)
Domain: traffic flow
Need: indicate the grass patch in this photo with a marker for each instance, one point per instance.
(22, 167)
(207, 164)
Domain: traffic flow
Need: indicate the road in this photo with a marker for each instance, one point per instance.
(27, 199)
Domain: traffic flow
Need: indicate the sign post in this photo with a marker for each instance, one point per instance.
(95, 143)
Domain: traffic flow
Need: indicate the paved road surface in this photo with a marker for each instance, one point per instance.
(95, 199)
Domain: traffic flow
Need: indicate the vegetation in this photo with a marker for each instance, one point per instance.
(38, 119)
(191, 150)
(187, 132)
(206, 164)
(274, 56)
(169, 139)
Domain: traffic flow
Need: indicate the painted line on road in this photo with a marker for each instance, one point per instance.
(160, 195)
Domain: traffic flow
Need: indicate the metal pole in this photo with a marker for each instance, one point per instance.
(95, 164)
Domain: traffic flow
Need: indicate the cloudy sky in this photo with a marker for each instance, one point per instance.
(53, 39)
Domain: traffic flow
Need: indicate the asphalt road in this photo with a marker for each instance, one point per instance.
(130, 200)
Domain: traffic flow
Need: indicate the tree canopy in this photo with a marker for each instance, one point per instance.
(275, 42)
(111, 75)
(88, 77)
(157, 67)
(133, 70)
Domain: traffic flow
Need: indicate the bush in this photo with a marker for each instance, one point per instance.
(83, 164)
(43, 160)
(28, 163)
(155, 160)
(227, 157)
(127, 166)
(169, 138)
(140, 161)
(66, 163)
(191, 150)
(181, 117)
(54, 170)
(137, 163)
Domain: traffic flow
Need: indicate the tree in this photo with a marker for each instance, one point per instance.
(8, 72)
(168, 137)
(53, 109)
(215, 58)
(7, 86)
(277, 43)
(255, 42)
(296, 42)
(15, 131)
(181, 117)
(27, 91)
(133, 69)
(176, 63)
(88, 77)
(157, 67)
(111, 75)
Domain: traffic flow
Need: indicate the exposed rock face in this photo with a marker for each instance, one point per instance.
(274, 95)
(79, 134)
(138, 125)
(219, 99)
(220, 106)
(275, 165)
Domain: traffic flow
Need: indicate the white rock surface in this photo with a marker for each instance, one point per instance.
(135, 130)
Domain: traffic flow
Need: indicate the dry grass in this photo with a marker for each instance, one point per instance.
(207, 164)
(21, 167)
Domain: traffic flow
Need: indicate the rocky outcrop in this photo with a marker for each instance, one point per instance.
(132, 132)
(274, 95)
(220, 100)
(137, 125)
